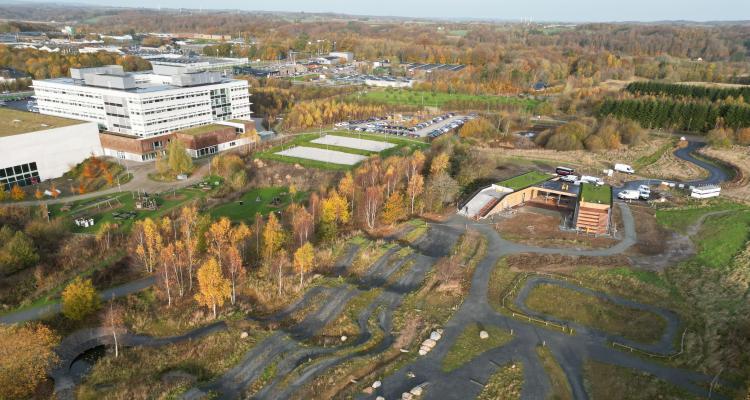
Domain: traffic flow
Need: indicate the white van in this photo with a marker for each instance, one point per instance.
(624, 168)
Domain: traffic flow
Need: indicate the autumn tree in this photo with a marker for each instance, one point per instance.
(348, 189)
(439, 164)
(303, 260)
(168, 262)
(394, 209)
(188, 221)
(104, 234)
(38, 194)
(372, 201)
(26, 357)
(218, 239)
(17, 251)
(178, 159)
(235, 264)
(79, 299)
(415, 164)
(302, 224)
(334, 211)
(16, 193)
(149, 243)
(414, 188)
(273, 238)
(213, 288)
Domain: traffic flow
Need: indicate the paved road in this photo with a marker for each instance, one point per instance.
(716, 175)
(140, 181)
(48, 310)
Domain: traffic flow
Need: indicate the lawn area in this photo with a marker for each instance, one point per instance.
(596, 194)
(256, 201)
(611, 382)
(469, 345)
(679, 219)
(525, 180)
(437, 99)
(506, 384)
(596, 313)
(721, 237)
(402, 145)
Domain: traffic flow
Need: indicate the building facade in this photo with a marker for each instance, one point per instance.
(31, 157)
(170, 98)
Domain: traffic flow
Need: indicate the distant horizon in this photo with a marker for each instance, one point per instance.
(574, 11)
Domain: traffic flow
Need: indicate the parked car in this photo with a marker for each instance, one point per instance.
(644, 191)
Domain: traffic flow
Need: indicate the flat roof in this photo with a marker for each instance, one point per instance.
(15, 122)
(591, 193)
(140, 87)
(201, 129)
(525, 180)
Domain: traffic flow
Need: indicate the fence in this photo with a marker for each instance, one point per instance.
(654, 355)
(523, 316)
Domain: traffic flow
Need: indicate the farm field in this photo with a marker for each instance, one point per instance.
(434, 99)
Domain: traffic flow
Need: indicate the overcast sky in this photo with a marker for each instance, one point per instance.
(537, 10)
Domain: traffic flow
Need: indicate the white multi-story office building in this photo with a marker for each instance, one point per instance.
(167, 99)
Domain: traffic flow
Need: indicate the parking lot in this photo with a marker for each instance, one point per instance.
(431, 128)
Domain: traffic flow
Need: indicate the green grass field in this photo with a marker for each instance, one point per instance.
(525, 180)
(403, 146)
(255, 201)
(435, 99)
(680, 219)
(596, 194)
(722, 237)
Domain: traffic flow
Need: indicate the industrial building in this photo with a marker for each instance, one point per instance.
(36, 147)
(588, 207)
(167, 99)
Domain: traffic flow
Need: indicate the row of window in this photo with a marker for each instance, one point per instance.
(22, 175)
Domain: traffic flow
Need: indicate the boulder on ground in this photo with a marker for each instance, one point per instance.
(416, 391)
(343, 338)
(406, 396)
(434, 335)
(380, 398)
(484, 335)
(429, 343)
(439, 330)
(377, 384)
(244, 335)
(368, 390)
(422, 351)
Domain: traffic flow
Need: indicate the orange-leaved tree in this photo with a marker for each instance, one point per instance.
(26, 356)
(213, 288)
